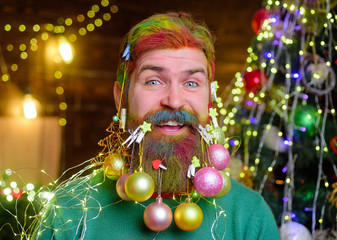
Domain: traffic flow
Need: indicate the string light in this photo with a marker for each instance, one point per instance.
(29, 107)
(65, 49)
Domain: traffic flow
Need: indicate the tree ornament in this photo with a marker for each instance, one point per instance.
(120, 187)
(226, 186)
(188, 216)
(115, 118)
(273, 141)
(333, 144)
(113, 166)
(207, 181)
(218, 156)
(306, 117)
(259, 17)
(158, 216)
(315, 72)
(139, 186)
(253, 80)
(294, 231)
(319, 72)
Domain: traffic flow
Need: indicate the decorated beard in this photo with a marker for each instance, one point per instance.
(175, 151)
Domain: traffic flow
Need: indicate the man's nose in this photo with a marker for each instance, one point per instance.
(173, 97)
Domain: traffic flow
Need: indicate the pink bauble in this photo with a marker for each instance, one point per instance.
(158, 216)
(120, 187)
(219, 156)
(207, 181)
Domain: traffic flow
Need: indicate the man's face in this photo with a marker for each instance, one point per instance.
(170, 89)
(169, 79)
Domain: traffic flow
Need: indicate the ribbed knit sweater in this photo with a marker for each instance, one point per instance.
(89, 208)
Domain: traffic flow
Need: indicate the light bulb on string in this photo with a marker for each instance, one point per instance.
(65, 50)
(30, 106)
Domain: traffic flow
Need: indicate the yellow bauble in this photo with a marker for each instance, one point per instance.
(188, 216)
(139, 186)
(226, 185)
(113, 166)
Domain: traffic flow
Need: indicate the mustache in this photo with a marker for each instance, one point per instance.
(181, 116)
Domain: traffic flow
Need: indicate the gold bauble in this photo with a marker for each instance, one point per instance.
(113, 166)
(188, 216)
(139, 186)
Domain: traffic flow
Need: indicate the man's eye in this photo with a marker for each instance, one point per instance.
(191, 84)
(153, 82)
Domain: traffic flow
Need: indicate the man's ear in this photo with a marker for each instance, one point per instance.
(117, 94)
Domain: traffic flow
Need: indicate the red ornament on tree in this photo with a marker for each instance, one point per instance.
(333, 144)
(253, 80)
(258, 19)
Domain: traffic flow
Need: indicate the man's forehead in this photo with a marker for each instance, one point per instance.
(188, 60)
(163, 69)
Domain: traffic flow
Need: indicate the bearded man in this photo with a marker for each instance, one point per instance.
(164, 78)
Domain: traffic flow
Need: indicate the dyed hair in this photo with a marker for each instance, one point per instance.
(162, 31)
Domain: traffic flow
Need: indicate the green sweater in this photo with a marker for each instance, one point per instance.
(90, 208)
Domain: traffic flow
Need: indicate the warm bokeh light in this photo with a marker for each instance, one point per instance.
(29, 107)
(65, 50)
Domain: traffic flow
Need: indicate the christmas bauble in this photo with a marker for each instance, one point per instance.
(253, 80)
(120, 187)
(305, 118)
(318, 72)
(226, 186)
(294, 231)
(158, 216)
(259, 17)
(274, 141)
(115, 118)
(207, 181)
(333, 144)
(139, 186)
(218, 156)
(113, 166)
(188, 216)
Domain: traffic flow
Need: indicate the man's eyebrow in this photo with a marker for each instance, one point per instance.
(196, 70)
(151, 67)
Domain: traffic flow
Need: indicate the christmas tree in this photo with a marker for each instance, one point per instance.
(280, 113)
